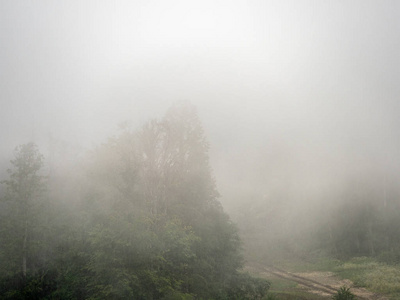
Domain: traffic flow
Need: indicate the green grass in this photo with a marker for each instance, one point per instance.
(365, 272)
(278, 284)
(284, 289)
(297, 295)
(321, 264)
(375, 276)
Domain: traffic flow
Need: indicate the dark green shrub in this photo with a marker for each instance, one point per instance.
(389, 257)
(243, 286)
(344, 294)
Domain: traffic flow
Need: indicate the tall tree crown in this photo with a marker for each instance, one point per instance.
(25, 180)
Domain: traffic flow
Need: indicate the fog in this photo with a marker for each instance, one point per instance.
(298, 102)
(294, 96)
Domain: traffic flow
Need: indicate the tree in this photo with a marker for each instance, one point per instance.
(158, 229)
(147, 223)
(22, 190)
(177, 182)
(176, 176)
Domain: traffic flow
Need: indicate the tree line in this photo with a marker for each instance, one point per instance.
(358, 216)
(137, 217)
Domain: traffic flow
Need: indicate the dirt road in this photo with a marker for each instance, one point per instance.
(321, 283)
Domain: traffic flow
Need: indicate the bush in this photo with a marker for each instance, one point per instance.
(389, 257)
(243, 286)
(344, 294)
(271, 297)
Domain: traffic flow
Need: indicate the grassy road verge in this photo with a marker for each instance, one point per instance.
(364, 272)
(361, 272)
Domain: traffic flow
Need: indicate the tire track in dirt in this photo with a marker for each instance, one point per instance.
(313, 285)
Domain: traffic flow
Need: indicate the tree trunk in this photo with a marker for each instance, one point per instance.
(332, 240)
(24, 249)
(370, 240)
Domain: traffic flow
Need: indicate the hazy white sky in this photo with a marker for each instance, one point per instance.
(318, 77)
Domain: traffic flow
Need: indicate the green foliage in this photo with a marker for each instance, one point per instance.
(360, 217)
(24, 181)
(22, 217)
(344, 294)
(146, 223)
(271, 296)
(138, 258)
(367, 272)
(363, 224)
(38, 286)
(391, 257)
(243, 286)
